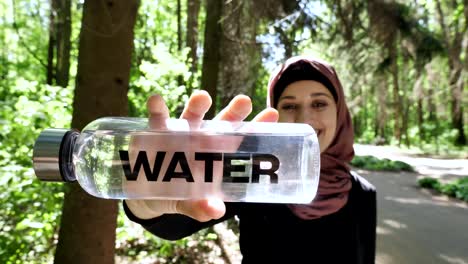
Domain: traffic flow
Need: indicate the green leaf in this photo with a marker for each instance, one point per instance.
(27, 223)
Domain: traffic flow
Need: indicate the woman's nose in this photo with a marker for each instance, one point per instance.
(304, 116)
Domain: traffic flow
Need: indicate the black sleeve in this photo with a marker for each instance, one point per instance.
(177, 226)
(369, 223)
(367, 199)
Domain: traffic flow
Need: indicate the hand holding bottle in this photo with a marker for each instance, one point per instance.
(196, 107)
(162, 165)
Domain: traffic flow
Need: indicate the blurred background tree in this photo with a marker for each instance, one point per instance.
(403, 65)
(88, 224)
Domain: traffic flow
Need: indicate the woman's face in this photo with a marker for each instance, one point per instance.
(310, 102)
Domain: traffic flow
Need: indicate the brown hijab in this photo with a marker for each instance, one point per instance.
(335, 179)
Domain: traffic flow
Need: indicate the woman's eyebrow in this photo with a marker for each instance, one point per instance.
(320, 94)
(311, 95)
(287, 97)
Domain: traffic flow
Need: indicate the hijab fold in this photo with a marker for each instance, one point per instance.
(335, 180)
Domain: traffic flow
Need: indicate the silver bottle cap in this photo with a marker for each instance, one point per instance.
(48, 154)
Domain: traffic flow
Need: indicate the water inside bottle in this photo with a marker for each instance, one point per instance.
(235, 166)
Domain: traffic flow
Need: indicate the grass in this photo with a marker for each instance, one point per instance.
(457, 189)
(373, 163)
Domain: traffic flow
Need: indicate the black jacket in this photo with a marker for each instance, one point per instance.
(271, 233)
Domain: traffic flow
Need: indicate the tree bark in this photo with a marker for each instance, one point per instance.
(238, 48)
(393, 55)
(87, 231)
(59, 43)
(418, 91)
(457, 110)
(52, 43)
(422, 131)
(180, 78)
(405, 101)
(193, 9)
(431, 108)
(63, 22)
(179, 25)
(211, 54)
(382, 110)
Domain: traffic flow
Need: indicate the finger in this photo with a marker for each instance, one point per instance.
(237, 110)
(202, 210)
(267, 115)
(197, 106)
(158, 112)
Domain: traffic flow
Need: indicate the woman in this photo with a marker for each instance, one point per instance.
(339, 226)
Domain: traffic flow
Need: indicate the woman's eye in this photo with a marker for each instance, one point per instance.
(319, 105)
(288, 107)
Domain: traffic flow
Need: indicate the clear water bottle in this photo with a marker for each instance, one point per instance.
(123, 158)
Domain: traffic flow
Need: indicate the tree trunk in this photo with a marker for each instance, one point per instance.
(63, 22)
(366, 103)
(356, 102)
(432, 117)
(393, 54)
(193, 9)
(180, 78)
(431, 108)
(52, 43)
(453, 40)
(59, 43)
(382, 110)
(211, 54)
(238, 48)
(405, 123)
(456, 83)
(179, 26)
(419, 95)
(405, 102)
(461, 139)
(420, 113)
(87, 231)
(457, 110)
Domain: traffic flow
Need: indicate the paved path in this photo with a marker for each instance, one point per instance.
(444, 169)
(415, 225)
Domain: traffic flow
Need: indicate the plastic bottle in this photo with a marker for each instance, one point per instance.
(122, 158)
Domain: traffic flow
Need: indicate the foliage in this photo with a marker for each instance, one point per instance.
(159, 77)
(457, 188)
(430, 183)
(29, 224)
(158, 67)
(137, 244)
(373, 163)
(259, 98)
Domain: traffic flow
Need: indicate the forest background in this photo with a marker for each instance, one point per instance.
(63, 63)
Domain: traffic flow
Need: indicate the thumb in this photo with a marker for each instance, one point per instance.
(202, 210)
